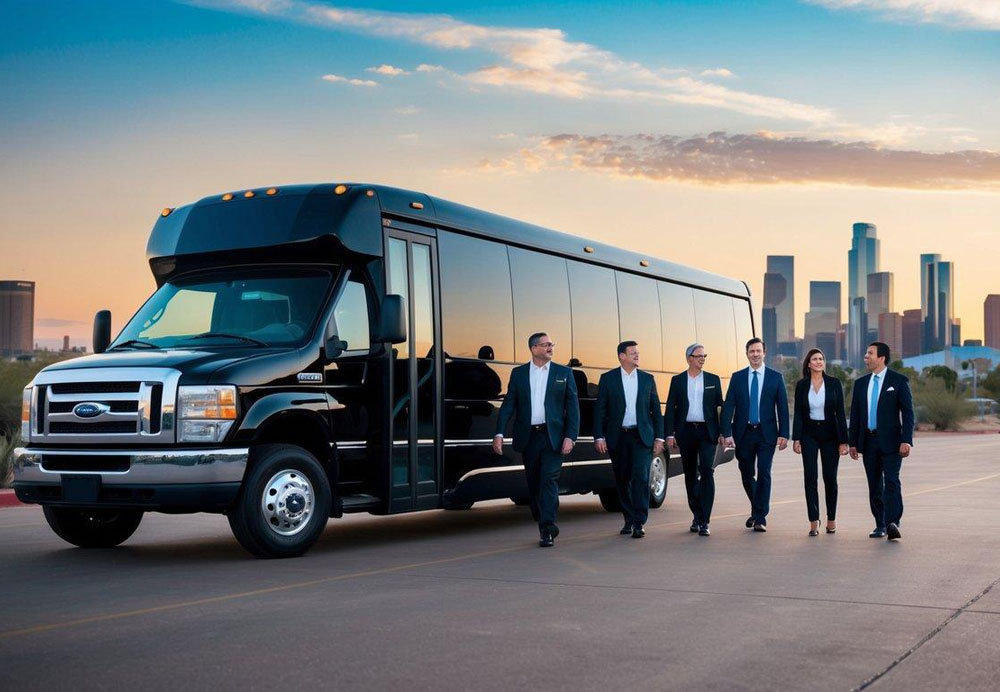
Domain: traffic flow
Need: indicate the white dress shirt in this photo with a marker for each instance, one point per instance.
(817, 402)
(696, 398)
(538, 378)
(630, 383)
(871, 383)
(760, 384)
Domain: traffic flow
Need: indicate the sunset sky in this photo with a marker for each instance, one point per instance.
(708, 133)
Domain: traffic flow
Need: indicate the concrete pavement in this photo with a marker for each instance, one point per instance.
(466, 600)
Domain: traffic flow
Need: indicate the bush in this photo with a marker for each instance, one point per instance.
(938, 405)
(7, 445)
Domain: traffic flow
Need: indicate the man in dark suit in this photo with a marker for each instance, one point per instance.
(692, 424)
(628, 423)
(755, 419)
(882, 431)
(542, 398)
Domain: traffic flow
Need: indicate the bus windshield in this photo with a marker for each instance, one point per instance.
(260, 308)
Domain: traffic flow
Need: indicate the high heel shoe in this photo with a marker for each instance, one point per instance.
(829, 530)
(815, 532)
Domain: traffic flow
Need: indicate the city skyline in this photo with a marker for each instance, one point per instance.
(709, 134)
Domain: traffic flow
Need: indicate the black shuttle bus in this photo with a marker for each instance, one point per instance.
(319, 349)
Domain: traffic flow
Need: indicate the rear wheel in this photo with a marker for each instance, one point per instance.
(657, 481)
(284, 503)
(92, 528)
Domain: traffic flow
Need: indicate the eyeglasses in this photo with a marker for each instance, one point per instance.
(703, 356)
(544, 344)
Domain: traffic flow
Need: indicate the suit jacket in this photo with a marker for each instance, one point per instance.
(562, 406)
(894, 418)
(677, 403)
(833, 408)
(609, 411)
(773, 406)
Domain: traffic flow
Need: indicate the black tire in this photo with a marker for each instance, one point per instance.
(521, 501)
(289, 525)
(92, 528)
(658, 495)
(610, 500)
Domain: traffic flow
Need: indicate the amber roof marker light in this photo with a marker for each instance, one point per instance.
(248, 194)
(340, 189)
(417, 205)
(370, 193)
(271, 191)
(226, 197)
(166, 211)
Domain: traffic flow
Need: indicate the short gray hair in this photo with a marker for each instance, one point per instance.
(691, 349)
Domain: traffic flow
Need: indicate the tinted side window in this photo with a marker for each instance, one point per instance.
(476, 309)
(717, 331)
(744, 326)
(639, 317)
(351, 316)
(541, 301)
(595, 314)
(677, 315)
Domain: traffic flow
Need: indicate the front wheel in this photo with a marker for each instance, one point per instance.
(284, 503)
(92, 528)
(657, 481)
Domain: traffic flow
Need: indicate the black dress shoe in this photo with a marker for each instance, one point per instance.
(547, 540)
(877, 533)
(703, 531)
(750, 522)
(893, 532)
(759, 527)
(627, 529)
(638, 531)
(695, 527)
(554, 530)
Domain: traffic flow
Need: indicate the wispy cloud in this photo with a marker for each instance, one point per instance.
(758, 159)
(717, 72)
(408, 110)
(966, 14)
(336, 78)
(424, 67)
(540, 60)
(387, 70)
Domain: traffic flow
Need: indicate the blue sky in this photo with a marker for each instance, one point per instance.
(832, 111)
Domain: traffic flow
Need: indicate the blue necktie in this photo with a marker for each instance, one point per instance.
(754, 400)
(873, 404)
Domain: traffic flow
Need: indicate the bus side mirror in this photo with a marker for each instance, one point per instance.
(332, 343)
(102, 331)
(393, 326)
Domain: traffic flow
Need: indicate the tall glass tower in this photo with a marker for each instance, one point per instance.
(937, 302)
(780, 279)
(862, 260)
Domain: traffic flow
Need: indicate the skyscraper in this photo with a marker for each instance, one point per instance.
(17, 318)
(991, 320)
(880, 301)
(781, 296)
(913, 332)
(890, 332)
(823, 318)
(862, 260)
(768, 327)
(937, 302)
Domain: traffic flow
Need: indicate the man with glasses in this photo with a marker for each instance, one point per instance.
(628, 423)
(755, 420)
(692, 424)
(542, 398)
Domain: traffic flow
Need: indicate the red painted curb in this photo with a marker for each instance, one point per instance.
(9, 499)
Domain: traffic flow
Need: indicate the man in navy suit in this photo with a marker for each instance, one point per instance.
(882, 431)
(542, 398)
(755, 419)
(628, 423)
(692, 424)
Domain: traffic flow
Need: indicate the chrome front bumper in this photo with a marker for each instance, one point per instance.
(142, 467)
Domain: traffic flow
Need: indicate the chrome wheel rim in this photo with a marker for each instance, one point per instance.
(657, 477)
(287, 502)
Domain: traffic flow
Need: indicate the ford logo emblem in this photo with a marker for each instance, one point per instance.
(90, 410)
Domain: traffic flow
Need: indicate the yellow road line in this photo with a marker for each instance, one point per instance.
(368, 573)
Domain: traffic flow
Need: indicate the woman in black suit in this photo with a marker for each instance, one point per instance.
(819, 428)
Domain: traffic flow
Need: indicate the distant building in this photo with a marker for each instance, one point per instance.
(879, 301)
(779, 293)
(913, 332)
(769, 332)
(65, 343)
(972, 342)
(953, 357)
(937, 302)
(823, 318)
(991, 320)
(862, 260)
(17, 318)
(890, 332)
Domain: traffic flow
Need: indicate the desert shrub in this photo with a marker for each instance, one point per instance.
(7, 445)
(938, 405)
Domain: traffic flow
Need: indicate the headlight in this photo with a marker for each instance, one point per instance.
(26, 399)
(205, 414)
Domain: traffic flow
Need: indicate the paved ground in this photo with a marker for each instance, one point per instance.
(465, 600)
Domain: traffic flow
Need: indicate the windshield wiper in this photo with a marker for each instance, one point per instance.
(134, 343)
(223, 335)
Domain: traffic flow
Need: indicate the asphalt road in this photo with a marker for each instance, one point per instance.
(466, 600)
